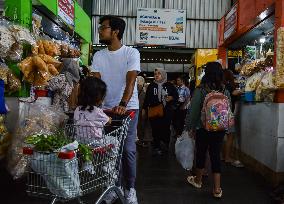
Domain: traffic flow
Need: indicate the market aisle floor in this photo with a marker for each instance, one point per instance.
(162, 181)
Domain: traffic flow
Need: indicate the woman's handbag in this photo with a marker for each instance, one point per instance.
(156, 111)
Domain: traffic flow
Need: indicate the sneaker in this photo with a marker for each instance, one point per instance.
(111, 197)
(130, 196)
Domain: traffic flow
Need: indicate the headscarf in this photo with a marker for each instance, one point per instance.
(140, 81)
(160, 83)
(71, 70)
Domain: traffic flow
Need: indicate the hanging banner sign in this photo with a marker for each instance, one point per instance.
(250, 52)
(66, 11)
(231, 22)
(160, 26)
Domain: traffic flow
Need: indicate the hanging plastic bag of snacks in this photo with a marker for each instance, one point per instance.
(22, 35)
(5, 138)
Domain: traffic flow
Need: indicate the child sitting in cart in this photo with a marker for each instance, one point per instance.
(90, 119)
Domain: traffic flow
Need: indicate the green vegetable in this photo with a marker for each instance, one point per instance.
(53, 142)
(86, 152)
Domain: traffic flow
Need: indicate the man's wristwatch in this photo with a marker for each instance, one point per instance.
(123, 103)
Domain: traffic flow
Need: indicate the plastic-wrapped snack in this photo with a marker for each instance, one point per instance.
(41, 78)
(35, 49)
(36, 24)
(40, 64)
(249, 69)
(4, 73)
(50, 60)
(49, 48)
(74, 52)
(40, 47)
(6, 41)
(52, 70)
(5, 138)
(64, 50)
(34, 118)
(14, 84)
(30, 77)
(26, 66)
(266, 88)
(279, 58)
(16, 52)
(253, 81)
(22, 34)
(58, 48)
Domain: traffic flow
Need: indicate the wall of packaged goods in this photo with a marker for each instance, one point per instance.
(202, 18)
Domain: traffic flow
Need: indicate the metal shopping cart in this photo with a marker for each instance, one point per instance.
(67, 175)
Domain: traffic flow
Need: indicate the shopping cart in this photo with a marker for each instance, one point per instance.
(65, 176)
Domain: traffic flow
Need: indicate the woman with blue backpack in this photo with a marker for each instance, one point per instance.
(209, 117)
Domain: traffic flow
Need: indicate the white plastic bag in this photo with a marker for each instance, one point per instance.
(61, 175)
(184, 149)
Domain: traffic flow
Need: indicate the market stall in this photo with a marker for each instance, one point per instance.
(258, 33)
(40, 42)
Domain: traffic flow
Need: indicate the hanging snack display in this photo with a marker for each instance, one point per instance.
(36, 23)
(22, 35)
(253, 81)
(39, 69)
(16, 52)
(5, 138)
(248, 69)
(46, 47)
(6, 41)
(280, 58)
(55, 48)
(12, 38)
(266, 88)
(12, 83)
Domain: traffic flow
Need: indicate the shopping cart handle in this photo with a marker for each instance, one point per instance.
(130, 113)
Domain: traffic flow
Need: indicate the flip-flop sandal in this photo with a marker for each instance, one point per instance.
(218, 195)
(190, 180)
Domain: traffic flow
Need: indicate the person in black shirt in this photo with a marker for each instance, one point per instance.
(161, 92)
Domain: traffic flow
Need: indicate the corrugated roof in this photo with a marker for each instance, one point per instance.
(203, 16)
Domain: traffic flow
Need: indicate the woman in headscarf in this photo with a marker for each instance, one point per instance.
(160, 92)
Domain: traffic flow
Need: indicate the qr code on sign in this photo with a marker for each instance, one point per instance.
(143, 36)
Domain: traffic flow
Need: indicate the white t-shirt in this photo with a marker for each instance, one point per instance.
(113, 67)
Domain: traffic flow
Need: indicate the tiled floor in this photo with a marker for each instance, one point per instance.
(162, 181)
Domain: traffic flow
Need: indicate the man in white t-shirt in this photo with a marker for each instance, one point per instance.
(118, 66)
